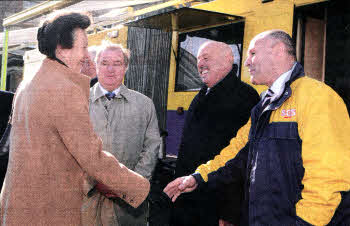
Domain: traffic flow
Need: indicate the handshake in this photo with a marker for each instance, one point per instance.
(180, 185)
(173, 189)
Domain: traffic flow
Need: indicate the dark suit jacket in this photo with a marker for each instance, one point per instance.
(211, 122)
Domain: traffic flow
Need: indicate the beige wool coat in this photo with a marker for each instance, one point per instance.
(53, 147)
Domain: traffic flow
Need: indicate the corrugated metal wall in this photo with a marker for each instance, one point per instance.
(148, 71)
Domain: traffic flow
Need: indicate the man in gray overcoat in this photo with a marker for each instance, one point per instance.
(127, 123)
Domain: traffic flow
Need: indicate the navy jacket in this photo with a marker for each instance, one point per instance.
(211, 121)
(291, 176)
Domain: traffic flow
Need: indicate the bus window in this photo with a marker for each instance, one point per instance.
(187, 77)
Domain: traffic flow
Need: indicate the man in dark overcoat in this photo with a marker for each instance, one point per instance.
(216, 113)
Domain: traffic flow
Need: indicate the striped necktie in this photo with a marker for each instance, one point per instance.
(267, 98)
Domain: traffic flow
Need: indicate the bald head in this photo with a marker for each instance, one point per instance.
(279, 36)
(270, 54)
(214, 62)
(223, 50)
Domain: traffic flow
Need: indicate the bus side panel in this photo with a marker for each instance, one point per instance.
(175, 123)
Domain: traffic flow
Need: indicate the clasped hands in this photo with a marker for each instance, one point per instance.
(180, 185)
(104, 190)
(173, 189)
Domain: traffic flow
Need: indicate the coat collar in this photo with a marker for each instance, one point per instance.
(298, 72)
(97, 93)
(80, 80)
(229, 81)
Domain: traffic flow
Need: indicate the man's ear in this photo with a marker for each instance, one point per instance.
(279, 49)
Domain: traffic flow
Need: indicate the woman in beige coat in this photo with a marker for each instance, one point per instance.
(53, 145)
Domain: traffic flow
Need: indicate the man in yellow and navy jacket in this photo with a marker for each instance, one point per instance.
(293, 154)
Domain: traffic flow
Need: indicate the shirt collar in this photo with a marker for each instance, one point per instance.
(104, 91)
(278, 85)
(208, 89)
(97, 91)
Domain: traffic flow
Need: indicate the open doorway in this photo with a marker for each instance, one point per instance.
(322, 36)
(310, 26)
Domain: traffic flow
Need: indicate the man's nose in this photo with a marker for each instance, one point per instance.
(199, 63)
(110, 68)
(247, 62)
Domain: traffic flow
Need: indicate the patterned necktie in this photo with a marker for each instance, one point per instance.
(267, 98)
(110, 95)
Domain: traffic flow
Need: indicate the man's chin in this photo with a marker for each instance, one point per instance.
(205, 82)
(253, 81)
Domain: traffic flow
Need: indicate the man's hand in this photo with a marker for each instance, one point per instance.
(103, 189)
(180, 185)
(224, 223)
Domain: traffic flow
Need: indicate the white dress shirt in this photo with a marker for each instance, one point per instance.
(278, 85)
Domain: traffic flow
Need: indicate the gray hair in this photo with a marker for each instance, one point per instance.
(92, 51)
(107, 45)
(285, 38)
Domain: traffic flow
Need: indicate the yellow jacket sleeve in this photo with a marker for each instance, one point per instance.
(324, 128)
(236, 144)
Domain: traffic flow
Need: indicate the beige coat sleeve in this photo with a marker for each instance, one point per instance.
(73, 125)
